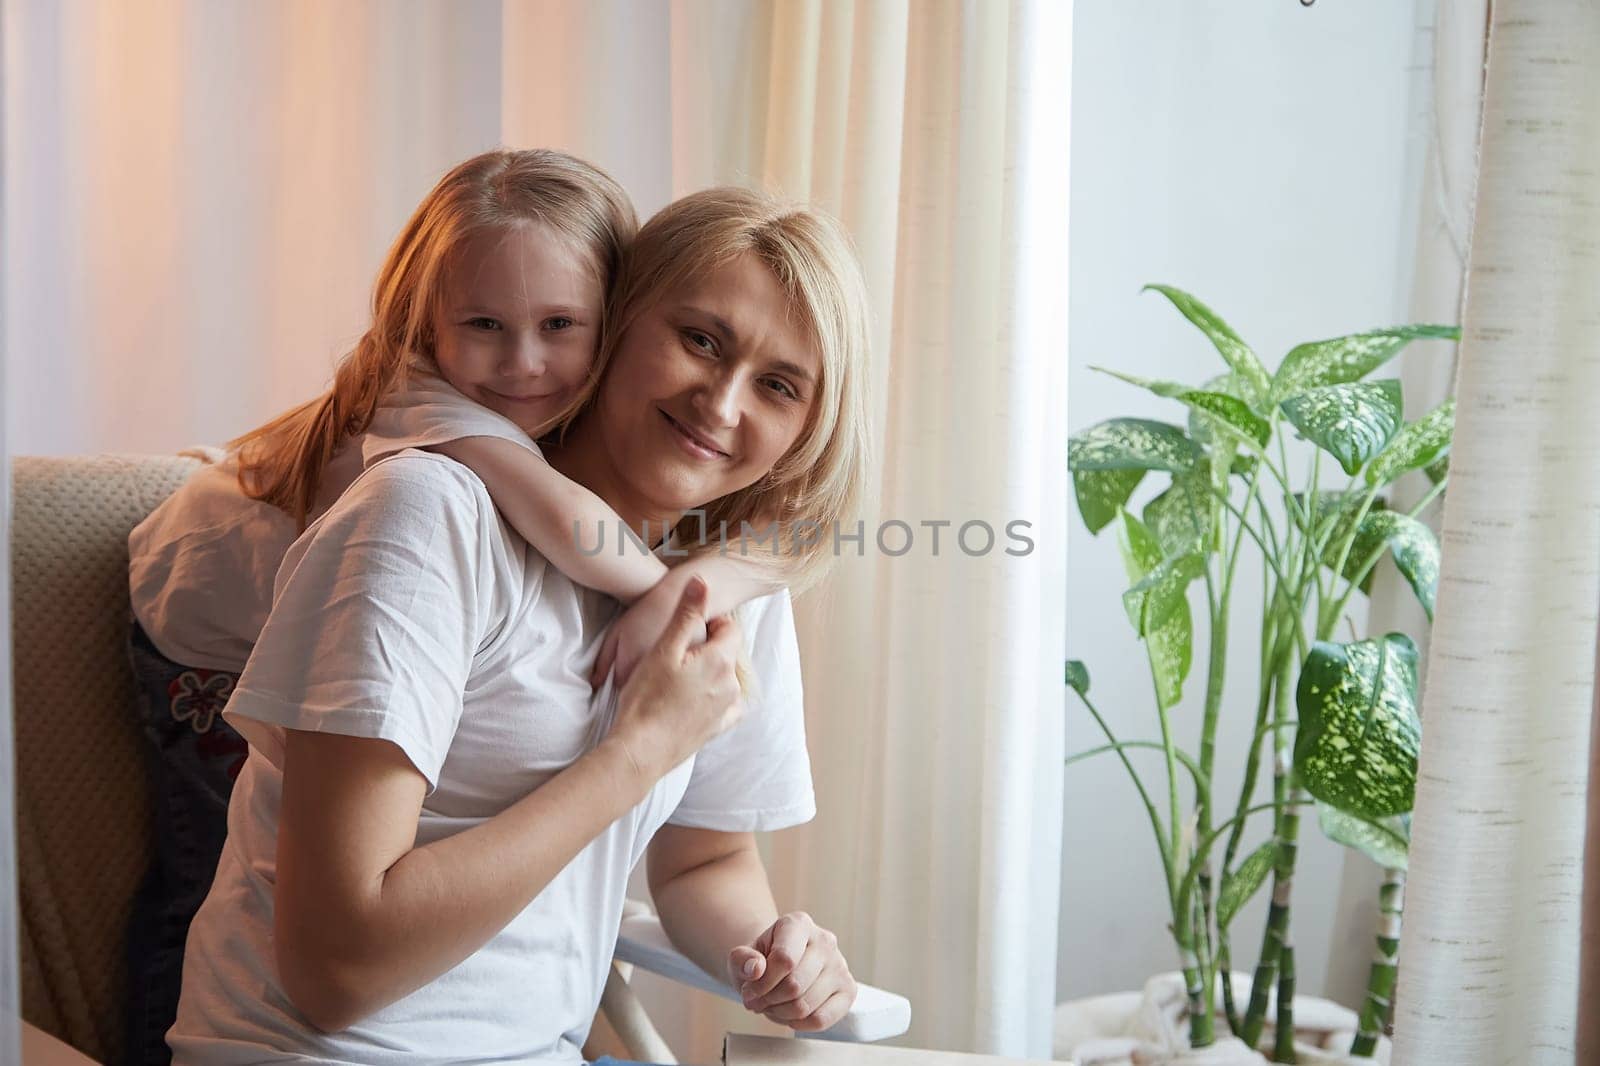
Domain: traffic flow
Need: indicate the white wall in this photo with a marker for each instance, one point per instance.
(1266, 157)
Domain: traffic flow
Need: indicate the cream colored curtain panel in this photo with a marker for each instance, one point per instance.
(1489, 970)
(202, 193)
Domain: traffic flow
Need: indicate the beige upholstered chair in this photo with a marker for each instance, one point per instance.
(83, 817)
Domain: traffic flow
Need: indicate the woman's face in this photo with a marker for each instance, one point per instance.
(709, 388)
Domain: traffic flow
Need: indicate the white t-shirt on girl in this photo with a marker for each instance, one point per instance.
(200, 566)
(411, 612)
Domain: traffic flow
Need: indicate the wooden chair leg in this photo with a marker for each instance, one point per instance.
(628, 1018)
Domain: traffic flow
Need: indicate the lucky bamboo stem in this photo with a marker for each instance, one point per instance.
(1283, 1049)
(1201, 1032)
(1287, 823)
(1380, 980)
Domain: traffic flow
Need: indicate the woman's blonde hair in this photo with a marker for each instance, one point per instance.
(283, 461)
(821, 477)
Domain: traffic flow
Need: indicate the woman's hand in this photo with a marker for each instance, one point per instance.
(682, 694)
(638, 629)
(794, 974)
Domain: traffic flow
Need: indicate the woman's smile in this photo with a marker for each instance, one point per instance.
(696, 443)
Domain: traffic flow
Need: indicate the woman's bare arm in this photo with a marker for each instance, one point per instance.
(716, 906)
(363, 917)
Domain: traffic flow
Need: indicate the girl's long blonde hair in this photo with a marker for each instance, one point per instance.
(821, 478)
(283, 461)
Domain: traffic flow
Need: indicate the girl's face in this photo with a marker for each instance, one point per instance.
(519, 324)
(709, 388)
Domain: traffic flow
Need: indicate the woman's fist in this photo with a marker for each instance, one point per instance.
(794, 974)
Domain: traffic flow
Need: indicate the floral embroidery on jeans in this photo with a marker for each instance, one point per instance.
(198, 696)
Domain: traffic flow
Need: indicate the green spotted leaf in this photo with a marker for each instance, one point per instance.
(1200, 423)
(1078, 676)
(1160, 594)
(1244, 882)
(1414, 547)
(1183, 518)
(1255, 385)
(1132, 444)
(1169, 646)
(1102, 493)
(1358, 735)
(1230, 414)
(1385, 842)
(1352, 422)
(1343, 359)
(1437, 471)
(1227, 413)
(1419, 444)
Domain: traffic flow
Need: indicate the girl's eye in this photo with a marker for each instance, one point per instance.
(485, 323)
(783, 388)
(559, 322)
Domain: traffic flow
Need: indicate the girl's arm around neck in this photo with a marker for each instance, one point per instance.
(556, 514)
(731, 579)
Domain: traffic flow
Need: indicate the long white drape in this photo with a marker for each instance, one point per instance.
(203, 193)
(1489, 963)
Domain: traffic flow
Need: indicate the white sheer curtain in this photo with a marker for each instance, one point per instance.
(208, 190)
(1489, 970)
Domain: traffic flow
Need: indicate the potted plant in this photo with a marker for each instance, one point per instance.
(1334, 722)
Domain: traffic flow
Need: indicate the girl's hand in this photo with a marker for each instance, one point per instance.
(794, 974)
(635, 632)
(681, 695)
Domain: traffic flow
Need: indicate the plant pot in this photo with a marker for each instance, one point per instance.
(1151, 1028)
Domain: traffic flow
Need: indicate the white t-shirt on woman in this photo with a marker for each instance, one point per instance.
(410, 612)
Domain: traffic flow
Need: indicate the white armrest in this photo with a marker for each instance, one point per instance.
(875, 1015)
(39, 1048)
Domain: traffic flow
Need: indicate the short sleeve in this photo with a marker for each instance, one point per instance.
(429, 412)
(756, 777)
(377, 615)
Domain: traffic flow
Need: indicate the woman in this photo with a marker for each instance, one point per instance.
(428, 845)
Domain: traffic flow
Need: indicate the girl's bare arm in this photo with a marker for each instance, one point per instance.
(558, 517)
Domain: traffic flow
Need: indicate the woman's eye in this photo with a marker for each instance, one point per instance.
(782, 388)
(559, 322)
(701, 342)
(484, 323)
